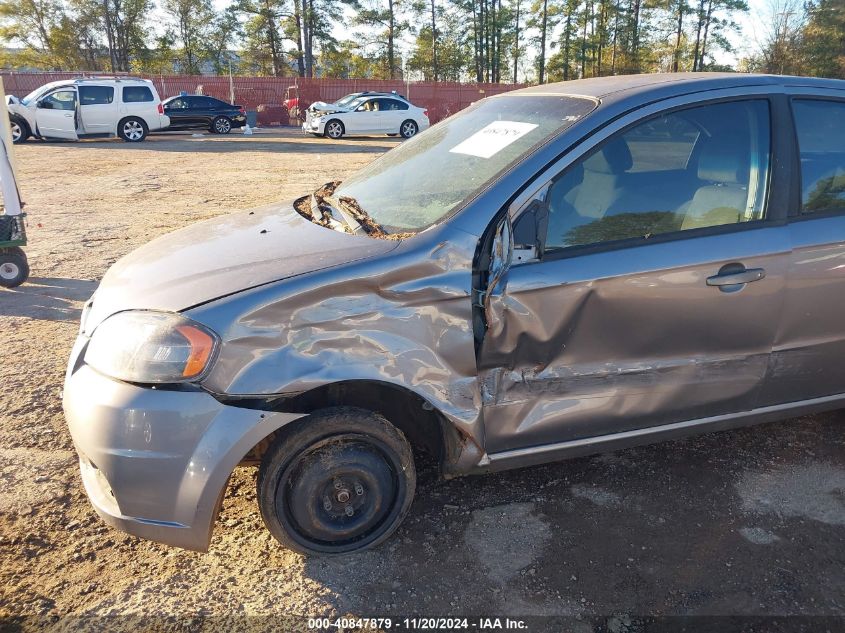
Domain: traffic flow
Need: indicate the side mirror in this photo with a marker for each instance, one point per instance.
(529, 232)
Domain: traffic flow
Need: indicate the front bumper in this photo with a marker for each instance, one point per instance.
(313, 126)
(155, 462)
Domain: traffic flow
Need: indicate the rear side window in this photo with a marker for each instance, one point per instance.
(821, 142)
(137, 94)
(392, 104)
(96, 95)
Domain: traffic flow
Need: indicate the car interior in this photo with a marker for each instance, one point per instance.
(701, 167)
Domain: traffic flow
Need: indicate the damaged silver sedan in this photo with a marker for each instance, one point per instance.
(556, 271)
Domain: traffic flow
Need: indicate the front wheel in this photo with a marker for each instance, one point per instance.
(132, 130)
(409, 128)
(334, 129)
(340, 481)
(20, 130)
(221, 125)
(14, 269)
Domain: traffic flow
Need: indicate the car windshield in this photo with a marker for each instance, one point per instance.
(424, 179)
(347, 99)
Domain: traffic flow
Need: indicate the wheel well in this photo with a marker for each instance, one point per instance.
(21, 121)
(428, 432)
(132, 116)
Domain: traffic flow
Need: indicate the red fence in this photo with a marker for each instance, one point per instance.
(440, 98)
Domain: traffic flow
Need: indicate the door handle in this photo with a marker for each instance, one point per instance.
(68, 115)
(734, 278)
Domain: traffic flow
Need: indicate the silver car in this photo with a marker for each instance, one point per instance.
(556, 271)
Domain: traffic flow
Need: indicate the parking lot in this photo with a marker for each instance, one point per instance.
(750, 522)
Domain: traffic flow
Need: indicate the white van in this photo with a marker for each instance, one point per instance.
(86, 108)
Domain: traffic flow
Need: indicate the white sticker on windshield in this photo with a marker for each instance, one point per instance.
(492, 139)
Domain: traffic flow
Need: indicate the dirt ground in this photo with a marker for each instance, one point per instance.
(750, 522)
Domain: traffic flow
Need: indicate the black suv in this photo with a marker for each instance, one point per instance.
(189, 112)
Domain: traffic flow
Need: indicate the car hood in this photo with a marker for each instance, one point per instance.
(222, 256)
(321, 106)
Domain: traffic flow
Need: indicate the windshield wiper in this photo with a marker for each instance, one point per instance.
(342, 213)
(316, 208)
(364, 220)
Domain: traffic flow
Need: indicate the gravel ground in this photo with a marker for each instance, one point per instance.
(749, 522)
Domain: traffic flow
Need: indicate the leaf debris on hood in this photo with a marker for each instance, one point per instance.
(303, 205)
(372, 228)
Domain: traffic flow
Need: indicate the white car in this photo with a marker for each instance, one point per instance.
(88, 108)
(367, 114)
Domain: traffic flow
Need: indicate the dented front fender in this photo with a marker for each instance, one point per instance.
(402, 319)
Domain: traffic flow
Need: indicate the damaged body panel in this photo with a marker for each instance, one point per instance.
(404, 321)
(605, 343)
(553, 272)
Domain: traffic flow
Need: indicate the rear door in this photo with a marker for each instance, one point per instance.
(392, 113)
(97, 108)
(55, 114)
(656, 296)
(807, 360)
(204, 110)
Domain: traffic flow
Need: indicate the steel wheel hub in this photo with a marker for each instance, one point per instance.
(17, 132)
(409, 129)
(339, 492)
(222, 126)
(334, 130)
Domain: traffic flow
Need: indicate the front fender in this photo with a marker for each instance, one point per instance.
(403, 319)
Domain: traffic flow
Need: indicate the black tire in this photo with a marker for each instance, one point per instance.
(408, 129)
(336, 482)
(14, 269)
(334, 129)
(20, 129)
(132, 129)
(221, 125)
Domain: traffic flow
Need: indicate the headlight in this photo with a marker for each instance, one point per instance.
(151, 347)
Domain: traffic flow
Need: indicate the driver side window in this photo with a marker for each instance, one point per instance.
(699, 167)
(61, 100)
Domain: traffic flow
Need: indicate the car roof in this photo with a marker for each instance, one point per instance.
(183, 96)
(371, 93)
(96, 80)
(82, 80)
(671, 84)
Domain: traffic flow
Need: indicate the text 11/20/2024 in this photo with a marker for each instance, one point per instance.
(417, 624)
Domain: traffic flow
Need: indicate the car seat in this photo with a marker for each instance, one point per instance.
(724, 198)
